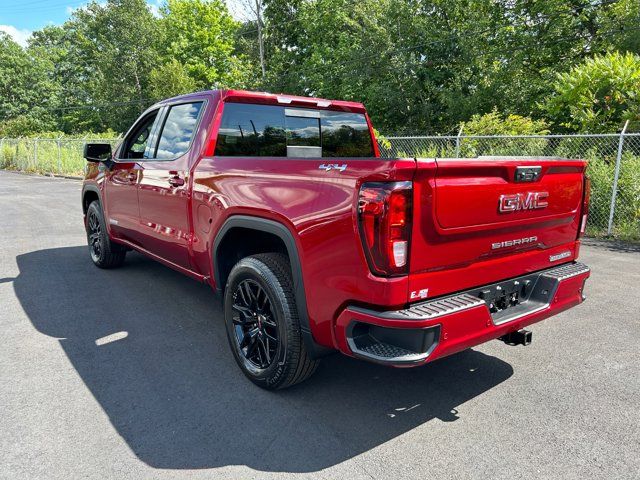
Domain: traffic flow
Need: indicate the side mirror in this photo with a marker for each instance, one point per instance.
(97, 152)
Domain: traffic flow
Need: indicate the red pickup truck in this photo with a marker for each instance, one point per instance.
(315, 243)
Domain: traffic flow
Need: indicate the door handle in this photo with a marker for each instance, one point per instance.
(176, 181)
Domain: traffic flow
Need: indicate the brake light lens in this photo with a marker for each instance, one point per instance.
(384, 219)
(586, 198)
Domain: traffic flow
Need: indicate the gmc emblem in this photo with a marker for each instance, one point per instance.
(522, 201)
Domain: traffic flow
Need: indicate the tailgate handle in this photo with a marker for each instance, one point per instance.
(527, 174)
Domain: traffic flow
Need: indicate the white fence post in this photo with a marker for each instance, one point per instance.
(614, 189)
(2, 148)
(458, 141)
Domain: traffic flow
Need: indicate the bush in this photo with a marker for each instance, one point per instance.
(599, 94)
(494, 123)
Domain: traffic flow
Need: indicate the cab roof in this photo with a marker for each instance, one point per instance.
(264, 98)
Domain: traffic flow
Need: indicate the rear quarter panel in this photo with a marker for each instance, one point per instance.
(319, 209)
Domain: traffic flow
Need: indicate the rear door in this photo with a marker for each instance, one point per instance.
(469, 211)
(163, 188)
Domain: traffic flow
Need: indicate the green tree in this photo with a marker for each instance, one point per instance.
(200, 35)
(599, 94)
(620, 25)
(72, 80)
(24, 88)
(170, 79)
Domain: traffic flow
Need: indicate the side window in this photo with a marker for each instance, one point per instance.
(178, 130)
(251, 131)
(345, 135)
(136, 143)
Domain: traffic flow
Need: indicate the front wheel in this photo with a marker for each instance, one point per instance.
(104, 253)
(262, 322)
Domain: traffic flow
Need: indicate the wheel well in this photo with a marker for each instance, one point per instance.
(241, 242)
(89, 196)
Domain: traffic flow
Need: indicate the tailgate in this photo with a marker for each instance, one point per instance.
(468, 211)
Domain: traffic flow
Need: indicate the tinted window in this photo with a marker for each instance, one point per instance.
(302, 131)
(264, 130)
(178, 129)
(136, 143)
(345, 135)
(252, 130)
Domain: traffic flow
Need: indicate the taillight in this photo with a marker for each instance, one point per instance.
(586, 197)
(384, 219)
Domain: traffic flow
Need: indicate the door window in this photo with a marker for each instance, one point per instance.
(136, 143)
(178, 129)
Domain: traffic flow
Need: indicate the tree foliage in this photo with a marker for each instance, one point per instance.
(200, 35)
(420, 67)
(493, 123)
(170, 79)
(599, 94)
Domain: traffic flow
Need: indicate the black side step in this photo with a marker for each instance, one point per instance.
(521, 337)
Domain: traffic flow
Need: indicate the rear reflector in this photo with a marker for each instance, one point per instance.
(384, 219)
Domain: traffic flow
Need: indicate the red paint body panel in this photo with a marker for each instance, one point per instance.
(455, 220)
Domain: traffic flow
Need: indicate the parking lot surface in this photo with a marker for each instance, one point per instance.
(127, 374)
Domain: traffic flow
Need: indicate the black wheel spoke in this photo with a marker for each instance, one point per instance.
(244, 311)
(253, 343)
(265, 349)
(256, 331)
(248, 293)
(264, 302)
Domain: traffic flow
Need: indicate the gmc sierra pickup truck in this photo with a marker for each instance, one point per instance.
(315, 243)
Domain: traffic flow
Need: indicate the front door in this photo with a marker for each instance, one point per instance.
(163, 185)
(121, 187)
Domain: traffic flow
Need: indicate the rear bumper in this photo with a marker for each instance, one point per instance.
(436, 328)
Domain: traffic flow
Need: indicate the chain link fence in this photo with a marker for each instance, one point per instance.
(614, 167)
(614, 164)
(49, 156)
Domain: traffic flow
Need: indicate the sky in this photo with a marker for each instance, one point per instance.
(19, 18)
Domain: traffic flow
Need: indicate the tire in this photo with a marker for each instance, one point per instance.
(103, 252)
(262, 322)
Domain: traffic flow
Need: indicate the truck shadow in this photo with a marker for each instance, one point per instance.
(162, 371)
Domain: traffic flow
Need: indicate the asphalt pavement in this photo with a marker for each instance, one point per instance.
(127, 374)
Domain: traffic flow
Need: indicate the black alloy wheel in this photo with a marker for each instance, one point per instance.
(94, 233)
(262, 323)
(255, 327)
(104, 253)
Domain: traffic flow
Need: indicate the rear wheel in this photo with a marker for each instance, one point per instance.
(262, 322)
(104, 253)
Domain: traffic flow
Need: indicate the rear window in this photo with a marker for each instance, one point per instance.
(266, 130)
